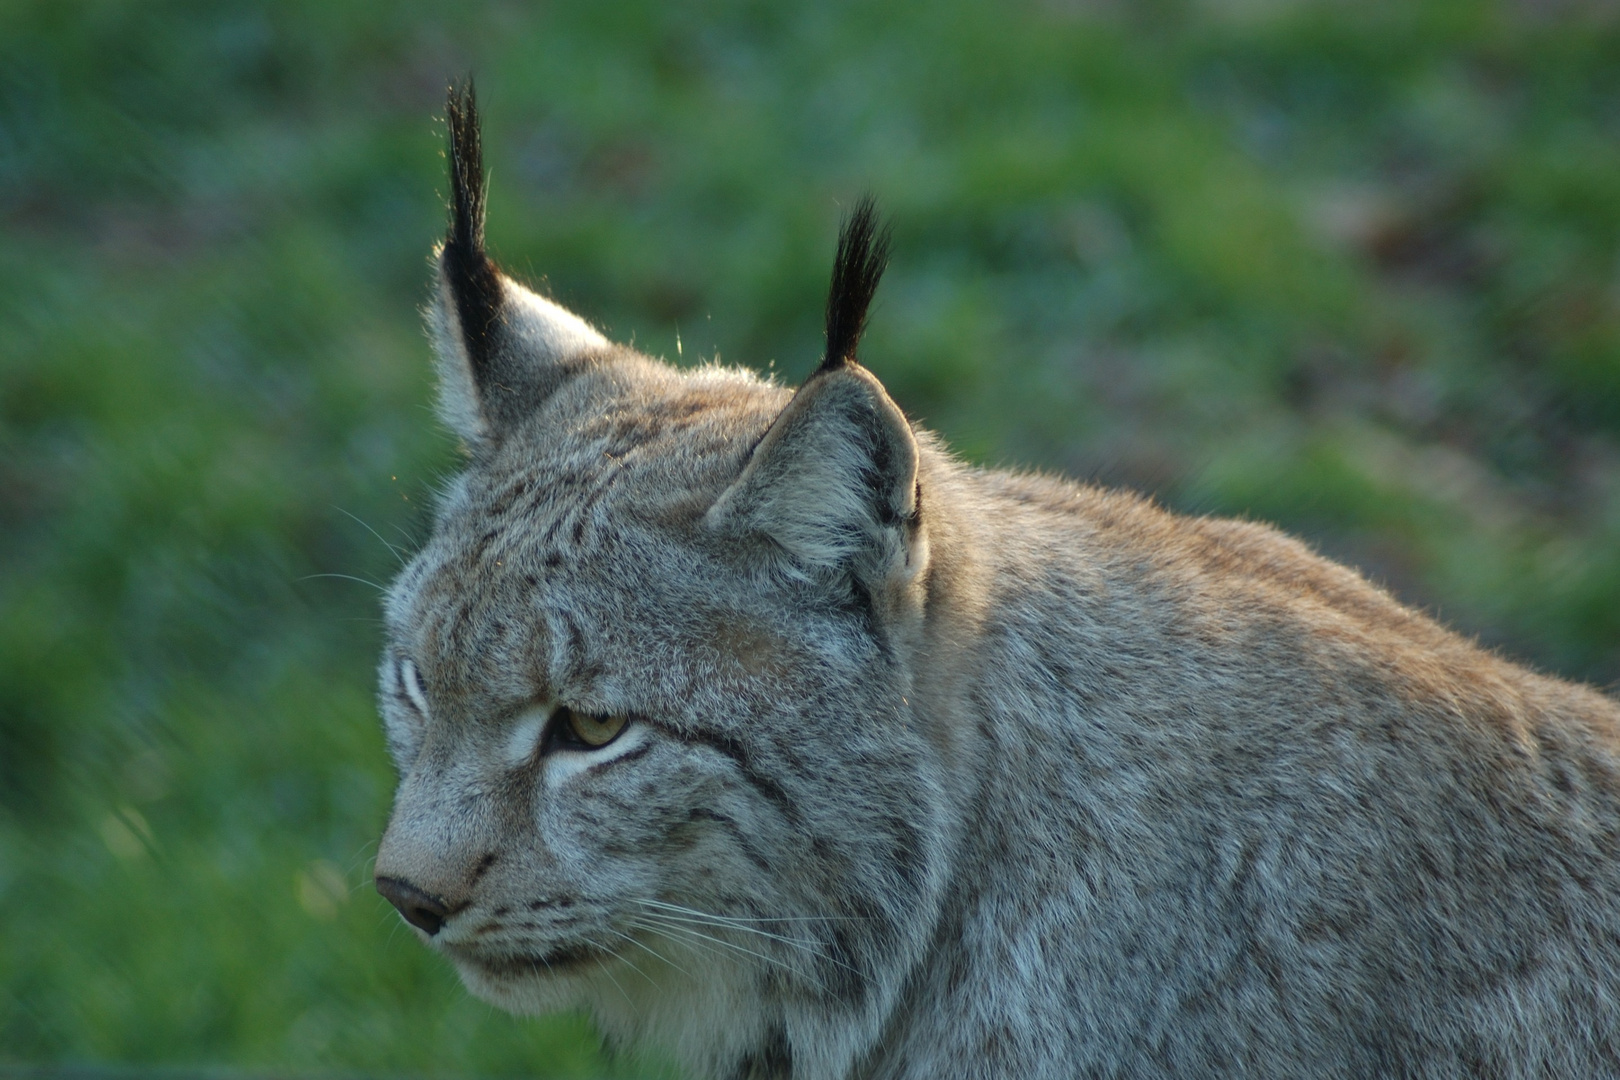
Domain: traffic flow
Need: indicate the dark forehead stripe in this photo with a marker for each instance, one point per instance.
(578, 665)
(550, 484)
(466, 628)
(530, 503)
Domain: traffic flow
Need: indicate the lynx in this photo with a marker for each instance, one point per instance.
(750, 721)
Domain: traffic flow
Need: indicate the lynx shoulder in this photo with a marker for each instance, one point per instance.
(751, 721)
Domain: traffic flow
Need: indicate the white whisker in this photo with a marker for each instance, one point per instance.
(694, 917)
(753, 919)
(696, 941)
(603, 965)
(397, 553)
(798, 943)
(623, 959)
(681, 928)
(344, 577)
(643, 946)
(725, 920)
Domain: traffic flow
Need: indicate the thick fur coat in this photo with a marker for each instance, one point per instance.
(754, 723)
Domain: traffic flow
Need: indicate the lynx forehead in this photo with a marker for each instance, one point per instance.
(752, 722)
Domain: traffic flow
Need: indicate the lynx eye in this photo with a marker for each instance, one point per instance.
(412, 686)
(584, 731)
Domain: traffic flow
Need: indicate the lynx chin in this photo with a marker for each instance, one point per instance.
(750, 721)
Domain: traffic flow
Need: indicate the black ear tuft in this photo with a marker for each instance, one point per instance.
(471, 276)
(863, 253)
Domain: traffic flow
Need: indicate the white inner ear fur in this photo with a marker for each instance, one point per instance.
(458, 393)
(549, 332)
(542, 334)
(808, 485)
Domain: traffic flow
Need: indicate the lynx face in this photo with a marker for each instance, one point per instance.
(654, 661)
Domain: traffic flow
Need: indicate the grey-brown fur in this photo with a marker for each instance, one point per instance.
(939, 772)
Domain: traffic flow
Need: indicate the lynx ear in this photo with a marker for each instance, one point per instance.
(834, 483)
(501, 349)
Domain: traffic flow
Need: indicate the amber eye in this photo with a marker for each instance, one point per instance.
(579, 729)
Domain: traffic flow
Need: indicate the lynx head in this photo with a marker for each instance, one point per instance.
(650, 684)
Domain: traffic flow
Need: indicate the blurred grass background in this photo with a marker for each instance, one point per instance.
(1348, 267)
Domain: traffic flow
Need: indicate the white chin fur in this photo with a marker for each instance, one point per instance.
(525, 995)
(706, 1013)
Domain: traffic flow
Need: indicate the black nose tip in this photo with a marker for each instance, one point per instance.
(426, 913)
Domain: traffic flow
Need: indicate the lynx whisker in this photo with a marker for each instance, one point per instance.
(654, 953)
(691, 932)
(345, 577)
(398, 554)
(667, 931)
(359, 858)
(720, 922)
(754, 918)
(620, 957)
(608, 972)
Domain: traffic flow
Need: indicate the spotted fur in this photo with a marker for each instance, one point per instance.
(930, 771)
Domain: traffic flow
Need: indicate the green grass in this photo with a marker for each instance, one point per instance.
(1348, 268)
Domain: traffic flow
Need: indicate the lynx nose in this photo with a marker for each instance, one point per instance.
(426, 913)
